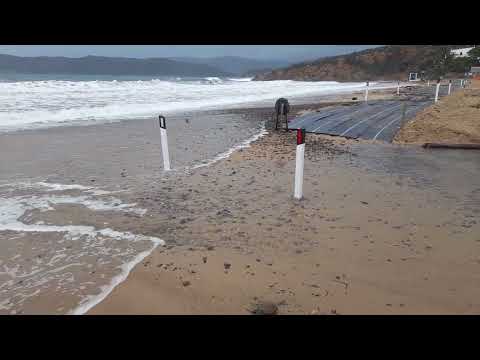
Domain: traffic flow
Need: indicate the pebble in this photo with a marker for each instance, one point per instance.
(264, 308)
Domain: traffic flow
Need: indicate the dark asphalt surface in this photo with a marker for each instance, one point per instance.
(377, 120)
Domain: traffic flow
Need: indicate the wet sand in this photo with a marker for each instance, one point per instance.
(70, 216)
(362, 241)
(382, 228)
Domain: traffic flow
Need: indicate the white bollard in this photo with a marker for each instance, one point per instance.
(449, 87)
(398, 88)
(428, 83)
(366, 91)
(164, 140)
(436, 91)
(299, 164)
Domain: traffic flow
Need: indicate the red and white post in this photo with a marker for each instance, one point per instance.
(366, 91)
(436, 91)
(164, 141)
(299, 164)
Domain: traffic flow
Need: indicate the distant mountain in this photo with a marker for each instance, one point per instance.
(236, 65)
(391, 62)
(98, 65)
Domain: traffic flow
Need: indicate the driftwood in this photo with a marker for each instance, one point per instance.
(451, 146)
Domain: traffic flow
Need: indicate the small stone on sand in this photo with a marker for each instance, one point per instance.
(264, 308)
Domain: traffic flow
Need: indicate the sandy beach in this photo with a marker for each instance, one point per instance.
(358, 243)
(382, 229)
(455, 119)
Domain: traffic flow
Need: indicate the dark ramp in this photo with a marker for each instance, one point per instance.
(325, 120)
(387, 128)
(373, 120)
(311, 120)
(348, 125)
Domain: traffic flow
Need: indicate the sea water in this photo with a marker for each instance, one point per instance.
(39, 101)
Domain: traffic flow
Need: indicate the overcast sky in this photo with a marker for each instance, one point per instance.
(281, 52)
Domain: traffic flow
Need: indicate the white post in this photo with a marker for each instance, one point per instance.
(428, 83)
(299, 164)
(398, 88)
(436, 91)
(164, 140)
(449, 87)
(366, 92)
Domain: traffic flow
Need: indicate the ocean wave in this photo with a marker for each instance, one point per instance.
(46, 103)
(241, 79)
(214, 79)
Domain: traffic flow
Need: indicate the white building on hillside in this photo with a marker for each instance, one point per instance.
(460, 52)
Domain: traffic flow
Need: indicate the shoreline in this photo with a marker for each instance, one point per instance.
(239, 209)
(231, 257)
(332, 98)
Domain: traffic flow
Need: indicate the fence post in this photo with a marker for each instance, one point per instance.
(366, 91)
(299, 164)
(164, 141)
(436, 91)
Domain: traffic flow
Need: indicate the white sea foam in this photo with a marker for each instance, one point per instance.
(241, 79)
(92, 300)
(58, 187)
(15, 216)
(36, 104)
(214, 79)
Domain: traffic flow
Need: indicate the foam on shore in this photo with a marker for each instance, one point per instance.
(54, 267)
(126, 268)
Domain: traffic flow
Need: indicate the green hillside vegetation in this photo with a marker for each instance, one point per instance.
(392, 62)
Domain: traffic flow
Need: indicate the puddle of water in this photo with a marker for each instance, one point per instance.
(450, 176)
